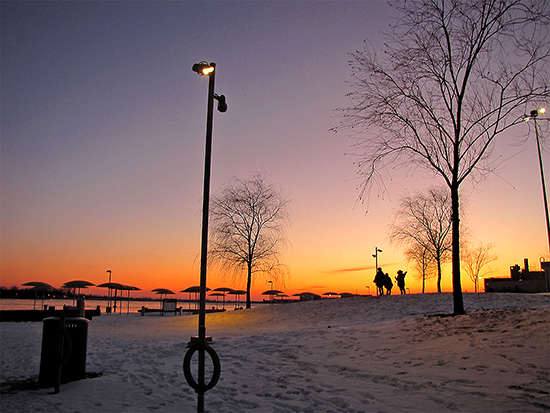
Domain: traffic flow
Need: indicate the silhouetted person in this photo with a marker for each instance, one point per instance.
(388, 283)
(401, 281)
(379, 281)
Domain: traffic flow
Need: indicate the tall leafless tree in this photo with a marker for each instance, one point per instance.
(423, 263)
(474, 259)
(424, 219)
(248, 229)
(455, 74)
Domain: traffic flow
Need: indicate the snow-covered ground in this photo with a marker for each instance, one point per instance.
(372, 354)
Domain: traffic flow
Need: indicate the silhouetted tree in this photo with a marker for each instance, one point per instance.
(474, 259)
(423, 263)
(248, 223)
(453, 77)
(424, 219)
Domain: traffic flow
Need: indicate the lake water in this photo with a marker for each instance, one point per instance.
(125, 306)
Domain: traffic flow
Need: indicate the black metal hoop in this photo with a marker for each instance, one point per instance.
(187, 367)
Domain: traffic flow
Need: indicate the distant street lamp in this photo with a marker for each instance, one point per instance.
(273, 296)
(375, 255)
(200, 343)
(534, 114)
(109, 293)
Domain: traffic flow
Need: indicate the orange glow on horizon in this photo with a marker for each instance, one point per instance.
(350, 280)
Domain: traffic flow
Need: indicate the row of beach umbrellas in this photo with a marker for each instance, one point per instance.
(78, 284)
(305, 295)
(217, 292)
(163, 292)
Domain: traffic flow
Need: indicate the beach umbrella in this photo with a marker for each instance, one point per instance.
(77, 284)
(282, 296)
(130, 288)
(307, 296)
(124, 287)
(272, 293)
(163, 291)
(217, 295)
(193, 290)
(38, 286)
(237, 293)
(223, 290)
(113, 286)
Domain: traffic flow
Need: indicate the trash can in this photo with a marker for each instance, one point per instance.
(64, 346)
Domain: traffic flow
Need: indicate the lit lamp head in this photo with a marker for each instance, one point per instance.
(535, 113)
(203, 68)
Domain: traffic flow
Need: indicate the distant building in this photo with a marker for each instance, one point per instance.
(522, 281)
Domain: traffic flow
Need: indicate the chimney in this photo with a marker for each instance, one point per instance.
(526, 264)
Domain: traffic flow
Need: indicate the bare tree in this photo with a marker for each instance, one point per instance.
(248, 223)
(423, 263)
(424, 219)
(454, 76)
(474, 259)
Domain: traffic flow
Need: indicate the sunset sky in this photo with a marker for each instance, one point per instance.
(103, 131)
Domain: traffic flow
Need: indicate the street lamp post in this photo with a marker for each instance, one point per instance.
(109, 292)
(200, 343)
(375, 255)
(534, 114)
(273, 296)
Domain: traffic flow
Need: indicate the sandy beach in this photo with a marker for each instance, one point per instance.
(360, 354)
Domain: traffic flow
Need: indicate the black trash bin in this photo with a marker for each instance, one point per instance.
(64, 344)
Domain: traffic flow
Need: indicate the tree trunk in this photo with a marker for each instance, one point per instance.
(457, 289)
(424, 282)
(439, 274)
(248, 285)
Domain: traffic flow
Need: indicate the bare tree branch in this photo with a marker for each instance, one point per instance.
(455, 74)
(248, 229)
(423, 222)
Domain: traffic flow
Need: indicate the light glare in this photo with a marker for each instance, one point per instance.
(207, 70)
(542, 110)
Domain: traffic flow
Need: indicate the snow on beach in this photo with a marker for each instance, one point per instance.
(375, 354)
